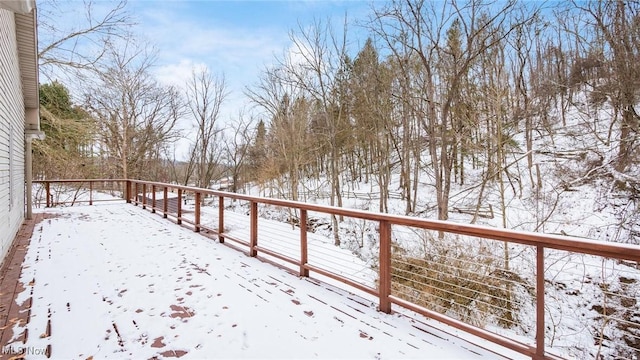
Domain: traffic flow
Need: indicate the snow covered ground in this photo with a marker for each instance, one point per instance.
(115, 281)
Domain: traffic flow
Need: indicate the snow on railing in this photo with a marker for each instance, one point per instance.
(544, 296)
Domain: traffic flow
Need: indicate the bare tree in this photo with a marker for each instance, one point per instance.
(416, 29)
(206, 94)
(319, 69)
(67, 51)
(257, 154)
(288, 145)
(136, 116)
(236, 150)
(371, 111)
(72, 47)
(617, 24)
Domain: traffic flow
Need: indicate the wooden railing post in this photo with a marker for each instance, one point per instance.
(303, 243)
(90, 192)
(221, 219)
(385, 267)
(144, 196)
(135, 196)
(196, 222)
(127, 191)
(153, 198)
(179, 215)
(165, 204)
(540, 327)
(253, 233)
(47, 187)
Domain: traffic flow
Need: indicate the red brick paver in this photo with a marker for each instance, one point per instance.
(10, 286)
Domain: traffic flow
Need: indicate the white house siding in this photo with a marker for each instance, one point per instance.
(12, 120)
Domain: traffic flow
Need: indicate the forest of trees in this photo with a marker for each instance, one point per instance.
(495, 110)
(453, 94)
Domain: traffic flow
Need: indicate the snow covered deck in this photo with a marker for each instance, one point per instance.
(115, 281)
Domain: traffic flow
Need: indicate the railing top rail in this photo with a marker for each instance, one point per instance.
(76, 180)
(567, 243)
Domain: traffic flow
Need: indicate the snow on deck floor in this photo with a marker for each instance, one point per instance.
(116, 281)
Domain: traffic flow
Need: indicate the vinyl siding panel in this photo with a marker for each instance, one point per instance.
(12, 120)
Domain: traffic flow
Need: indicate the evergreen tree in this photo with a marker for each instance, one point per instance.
(66, 151)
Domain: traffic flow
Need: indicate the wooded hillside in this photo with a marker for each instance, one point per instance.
(455, 107)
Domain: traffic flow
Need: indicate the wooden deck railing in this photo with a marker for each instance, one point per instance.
(156, 197)
(75, 191)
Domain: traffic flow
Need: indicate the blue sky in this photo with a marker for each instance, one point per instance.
(234, 38)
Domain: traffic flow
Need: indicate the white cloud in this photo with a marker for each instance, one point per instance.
(177, 74)
(238, 52)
